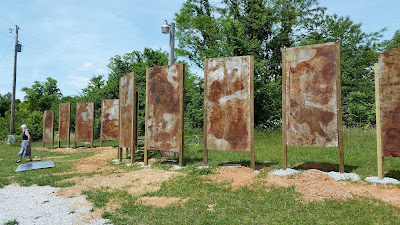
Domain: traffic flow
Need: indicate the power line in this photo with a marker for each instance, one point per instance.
(6, 51)
(6, 35)
(7, 20)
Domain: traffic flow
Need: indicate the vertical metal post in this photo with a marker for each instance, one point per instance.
(171, 44)
(12, 130)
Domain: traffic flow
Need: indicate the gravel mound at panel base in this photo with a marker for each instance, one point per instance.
(39, 205)
(385, 180)
(343, 176)
(286, 172)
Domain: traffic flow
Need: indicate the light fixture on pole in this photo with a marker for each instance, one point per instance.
(170, 28)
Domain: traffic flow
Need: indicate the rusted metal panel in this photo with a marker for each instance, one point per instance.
(228, 103)
(127, 99)
(389, 78)
(311, 90)
(109, 119)
(48, 126)
(165, 85)
(64, 121)
(84, 122)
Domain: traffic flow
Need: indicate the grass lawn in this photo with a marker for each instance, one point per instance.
(251, 204)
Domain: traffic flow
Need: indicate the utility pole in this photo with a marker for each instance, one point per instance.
(172, 44)
(17, 48)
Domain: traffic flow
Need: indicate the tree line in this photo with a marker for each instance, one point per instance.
(230, 28)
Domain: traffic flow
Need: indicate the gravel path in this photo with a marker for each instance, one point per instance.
(39, 205)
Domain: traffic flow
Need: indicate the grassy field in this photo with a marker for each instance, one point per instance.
(245, 205)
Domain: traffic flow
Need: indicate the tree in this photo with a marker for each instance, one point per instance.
(246, 27)
(41, 95)
(5, 103)
(138, 61)
(394, 42)
(358, 52)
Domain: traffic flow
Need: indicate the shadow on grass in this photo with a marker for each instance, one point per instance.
(326, 167)
(393, 174)
(246, 163)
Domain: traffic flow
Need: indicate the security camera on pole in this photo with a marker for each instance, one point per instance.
(170, 28)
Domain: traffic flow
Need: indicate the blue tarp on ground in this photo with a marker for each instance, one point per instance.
(34, 166)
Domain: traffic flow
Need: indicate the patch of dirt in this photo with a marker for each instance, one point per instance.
(315, 185)
(135, 183)
(97, 162)
(160, 201)
(235, 176)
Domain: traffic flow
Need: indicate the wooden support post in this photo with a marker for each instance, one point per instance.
(101, 123)
(381, 171)
(181, 119)
(205, 147)
(69, 125)
(52, 131)
(44, 118)
(339, 108)
(76, 115)
(252, 152)
(119, 126)
(146, 154)
(284, 128)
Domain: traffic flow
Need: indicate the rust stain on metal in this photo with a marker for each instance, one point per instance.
(127, 98)
(109, 119)
(84, 122)
(389, 76)
(64, 121)
(228, 103)
(48, 130)
(311, 96)
(163, 119)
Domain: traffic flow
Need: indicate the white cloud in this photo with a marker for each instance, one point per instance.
(100, 71)
(87, 67)
(77, 81)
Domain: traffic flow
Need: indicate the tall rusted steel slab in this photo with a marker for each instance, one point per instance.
(48, 126)
(229, 104)
(389, 89)
(127, 105)
(164, 108)
(64, 117)
(109, 119)
(84, 122)
(311, 74)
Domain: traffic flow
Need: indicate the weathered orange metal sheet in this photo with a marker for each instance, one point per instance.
(64, 121)
(109, 119)
(228, 103)
(127, 99)
(311, 105)
(48, 126)
(84, 122)
(389, 77)
(164, 110)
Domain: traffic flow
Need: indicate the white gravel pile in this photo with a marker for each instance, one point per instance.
(344, 176)
(39, 205)
(385, 180)
(286, 172)
(178, 167)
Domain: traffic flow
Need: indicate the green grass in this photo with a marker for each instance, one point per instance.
(246, 205)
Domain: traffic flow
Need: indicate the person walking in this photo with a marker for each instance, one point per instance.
(25, 144)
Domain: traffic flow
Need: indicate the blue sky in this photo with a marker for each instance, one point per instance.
(73, 40)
